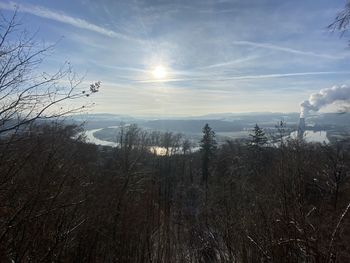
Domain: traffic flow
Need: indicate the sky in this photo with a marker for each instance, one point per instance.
(188, 58)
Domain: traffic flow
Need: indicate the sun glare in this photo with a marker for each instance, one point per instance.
(159, 72)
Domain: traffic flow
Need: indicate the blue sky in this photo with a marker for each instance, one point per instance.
(219, 56)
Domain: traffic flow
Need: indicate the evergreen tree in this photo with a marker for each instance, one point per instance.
(258, 137)
(208, 147)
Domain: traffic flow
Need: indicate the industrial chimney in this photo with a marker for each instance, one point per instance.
(301, 127)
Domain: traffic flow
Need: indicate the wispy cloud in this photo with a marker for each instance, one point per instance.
(285, 49)
(231, 62)
(248, 77)
(284, 75)
(61, 17)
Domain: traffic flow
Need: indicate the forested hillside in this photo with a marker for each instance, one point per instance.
(63, 200)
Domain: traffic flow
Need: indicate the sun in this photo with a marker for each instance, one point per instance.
(159, 72)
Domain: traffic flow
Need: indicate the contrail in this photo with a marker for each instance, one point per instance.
(61, 17)
(285, 49)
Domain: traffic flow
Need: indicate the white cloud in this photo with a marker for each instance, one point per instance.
(63, 18)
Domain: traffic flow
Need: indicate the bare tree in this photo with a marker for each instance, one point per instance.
(25, 94)
(342, 20)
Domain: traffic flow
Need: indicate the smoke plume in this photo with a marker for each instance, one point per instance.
(325, 97)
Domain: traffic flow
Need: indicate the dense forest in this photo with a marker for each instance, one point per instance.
(65, 200)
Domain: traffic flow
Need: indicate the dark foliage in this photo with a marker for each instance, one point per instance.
(63, 200)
